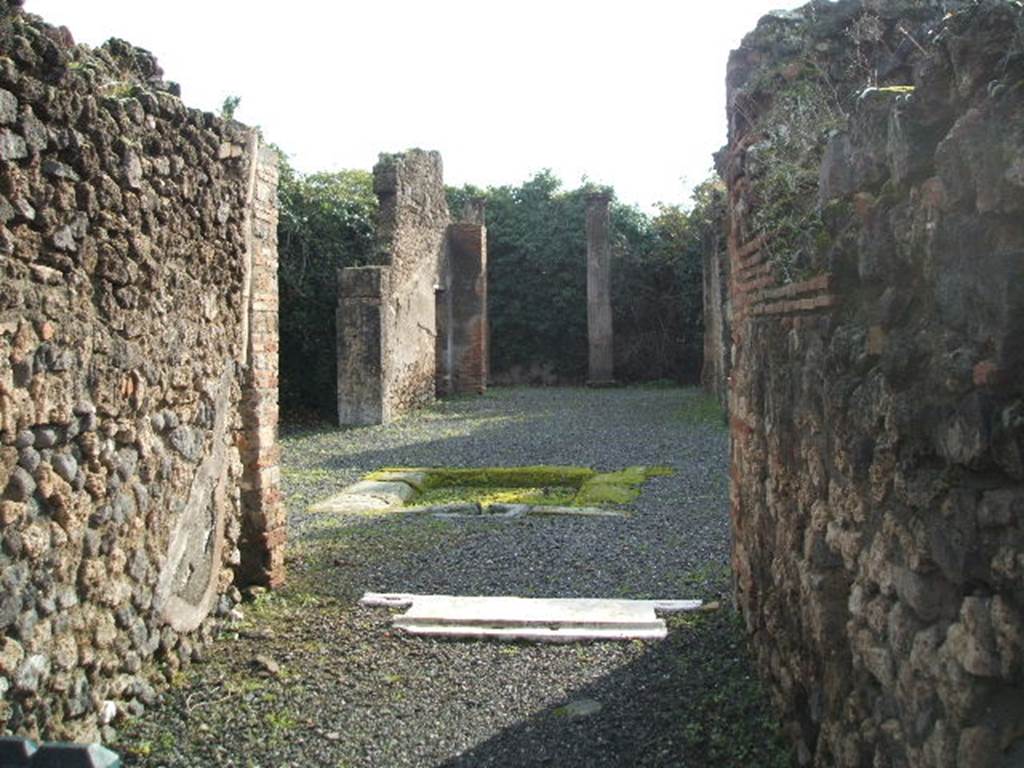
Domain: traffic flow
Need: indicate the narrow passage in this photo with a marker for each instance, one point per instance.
(307, 677)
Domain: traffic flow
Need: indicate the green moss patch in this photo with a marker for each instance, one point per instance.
(605, 494)
(544, 485)
(509, 477)
(487, 495)
(615, 488)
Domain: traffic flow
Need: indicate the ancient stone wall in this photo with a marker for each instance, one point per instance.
(878, 386)
(411, 231)
(138, 392)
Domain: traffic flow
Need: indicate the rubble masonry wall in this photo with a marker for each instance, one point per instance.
(138, 376)
(878, 383)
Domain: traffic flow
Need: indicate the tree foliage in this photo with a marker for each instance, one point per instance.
(537, 282)
(326, 223)
(537, 278)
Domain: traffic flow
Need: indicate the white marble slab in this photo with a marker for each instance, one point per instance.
(525, 618)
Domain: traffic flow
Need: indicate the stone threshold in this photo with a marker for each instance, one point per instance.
(512, 511)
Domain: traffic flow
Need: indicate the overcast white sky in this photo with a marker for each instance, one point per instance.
(629, 93)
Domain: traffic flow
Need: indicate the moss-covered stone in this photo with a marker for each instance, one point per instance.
(620, 487)
(510, 477)
(593, 494)
(487, 496)
(627, 476)
(415, 478)
(533, 485)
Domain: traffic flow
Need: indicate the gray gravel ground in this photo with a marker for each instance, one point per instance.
(351, 693)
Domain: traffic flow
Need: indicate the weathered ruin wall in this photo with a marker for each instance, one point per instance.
(397, 344)
(878, 387)
(138, 333)
(412, 232)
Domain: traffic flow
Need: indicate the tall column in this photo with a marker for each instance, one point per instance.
(599, 295)
(467, 302)
(264, 516)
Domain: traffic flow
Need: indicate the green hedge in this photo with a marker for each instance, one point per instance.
(537, 281)
(326, 222)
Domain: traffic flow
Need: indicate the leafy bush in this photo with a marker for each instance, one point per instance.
(657, 295)
(537, 279)
(326, 223)
(537, 283)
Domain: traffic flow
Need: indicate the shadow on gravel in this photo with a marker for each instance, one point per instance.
(449, 446)
(691, 700)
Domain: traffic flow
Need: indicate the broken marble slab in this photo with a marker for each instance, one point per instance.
(366, 496)
(525, 618)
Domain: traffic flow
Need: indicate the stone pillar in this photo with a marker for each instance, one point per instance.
(263, 515)
(387, 321)
(474, 211)
(466, 357)
(717, 329)
(599, 298)
(443, 346)
(360, 323)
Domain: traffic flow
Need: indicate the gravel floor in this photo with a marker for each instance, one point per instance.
(351, 693)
